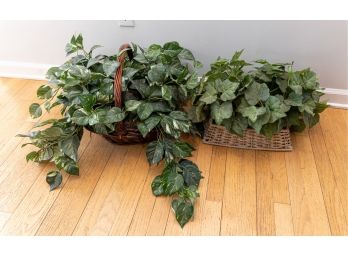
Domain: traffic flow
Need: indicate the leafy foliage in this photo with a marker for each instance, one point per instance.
(157, 83)
(267, 98)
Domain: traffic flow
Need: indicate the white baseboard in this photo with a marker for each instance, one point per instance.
(336, 97)
(23, 70)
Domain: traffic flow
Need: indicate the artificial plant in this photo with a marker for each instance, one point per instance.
(157, 82)
(264, 96)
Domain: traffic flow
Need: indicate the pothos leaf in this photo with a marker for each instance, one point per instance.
(155, 152)
(35, 110)
(54, 179)
(183, 211)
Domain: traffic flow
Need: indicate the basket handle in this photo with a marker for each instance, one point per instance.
(118, 75)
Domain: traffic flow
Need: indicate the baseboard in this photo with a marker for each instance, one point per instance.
(23, 70)
(336, 97)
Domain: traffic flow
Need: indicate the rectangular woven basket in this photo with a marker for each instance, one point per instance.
(219, 135)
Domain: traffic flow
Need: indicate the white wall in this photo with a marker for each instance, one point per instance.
(29, 47)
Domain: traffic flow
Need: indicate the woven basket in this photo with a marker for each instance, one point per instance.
(219, 135)
(126, 132)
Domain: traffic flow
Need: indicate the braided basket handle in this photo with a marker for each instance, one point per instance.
(118, 75)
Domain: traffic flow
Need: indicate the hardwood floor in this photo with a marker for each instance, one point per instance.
(244, 192)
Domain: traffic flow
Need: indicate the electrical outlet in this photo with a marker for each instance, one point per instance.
(127, 23)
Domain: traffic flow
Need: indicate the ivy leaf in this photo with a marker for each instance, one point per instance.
(54, 179)
(191, 173)
(80, 117)
(182, 149)
(308, 106)
(157, 73)
(44, 92)
(277, 108)
(110, 67)
(166, 93)
(129, 72)
(320, 107)
(35, 110)
(147, 125)
(153, 52)
(294, 99)
(155, 152)
(193, 81)
(239, 125)
(310, 120)
(261, 120)
(186, 54)
(271, 128)
(113, 115)
(219, 112)
(228, 90)
(309, 79)
(46, 154)
(183, 211)
(208, 97)
(70, 146)
(144, 110)
(132, 105)
(173, 181)
(252, 112)
(256, 92)
(32, 156)
(157, 186)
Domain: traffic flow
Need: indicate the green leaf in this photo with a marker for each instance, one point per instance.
(166, 93)
(44, 92)
(179, 115)
(261, 120)
(191, 173)
(88, 101)
(256, 92)
(271, 128)
(153, 52)
(182, 149)
(239, 125)
(46, 154)
(155, 152)
(72, 168)
(157, 186)
(183, 211)
(308, 106)
(80, 117)
(186, 54)
(294, 99)
(253, 112)
(228, 90)
(32, 156)
(110, 67)
(52, 132)
(320, 107)
(208, 97)
(310, 120)
(70, 146)
(132, 105)
(173, 181)
(192, 82)
(277, 108)
(157, 73)
(309, 79)
(35, 110)
(54, 179)
(144, 110)
(219, 112)
(113, 115)
(149, 124)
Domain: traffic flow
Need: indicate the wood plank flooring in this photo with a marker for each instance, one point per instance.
(244, 192)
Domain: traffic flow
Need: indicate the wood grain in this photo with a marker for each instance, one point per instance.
(283, 220)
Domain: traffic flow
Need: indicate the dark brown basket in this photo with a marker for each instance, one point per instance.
(219, 135)
(126, 132)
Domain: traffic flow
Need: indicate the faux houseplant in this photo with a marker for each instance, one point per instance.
(156, 83)
(263, 96)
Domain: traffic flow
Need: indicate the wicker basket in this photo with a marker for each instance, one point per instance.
(218, 135)
(126, 132)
